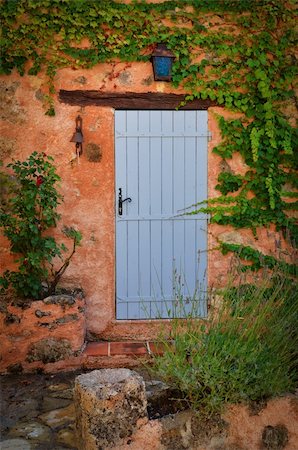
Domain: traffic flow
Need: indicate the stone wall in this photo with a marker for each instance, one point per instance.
(47, 334)
(111, 414)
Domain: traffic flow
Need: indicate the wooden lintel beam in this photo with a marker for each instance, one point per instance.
(132, 100)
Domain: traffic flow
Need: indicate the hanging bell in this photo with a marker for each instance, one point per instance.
(78, 136)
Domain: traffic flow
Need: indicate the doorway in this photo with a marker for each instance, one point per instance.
(161, 253)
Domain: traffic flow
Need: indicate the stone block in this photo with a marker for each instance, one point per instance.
(109, 403)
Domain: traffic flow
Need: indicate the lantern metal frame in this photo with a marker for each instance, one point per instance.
(162, 61)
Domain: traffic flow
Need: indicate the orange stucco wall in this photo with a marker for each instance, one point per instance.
(88, 187)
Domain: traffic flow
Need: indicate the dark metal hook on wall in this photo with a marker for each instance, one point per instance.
(121, 201)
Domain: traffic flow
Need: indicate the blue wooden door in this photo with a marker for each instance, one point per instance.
(161, 258)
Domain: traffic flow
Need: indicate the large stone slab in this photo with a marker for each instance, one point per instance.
(15, 444)
(109, 403)
(61, 417)
(32, 431)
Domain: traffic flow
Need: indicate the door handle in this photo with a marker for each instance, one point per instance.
(121, 201)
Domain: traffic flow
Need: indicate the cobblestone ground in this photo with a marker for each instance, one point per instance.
(37, 412)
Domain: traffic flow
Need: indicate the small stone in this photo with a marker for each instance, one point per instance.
(231, 237)
(154, 387)
(67, 318)
(69, 290)
(11, 318)
(63, 300)
(125, 78)
(58, 387)
(81, 80)
(49, 325)
(61, 390)
(34, 431)
(66, 394)
(49, 350)
(40, 313)
(59, 417)
(67, 437)
(39, 95)
(50, 403)
(15, 444)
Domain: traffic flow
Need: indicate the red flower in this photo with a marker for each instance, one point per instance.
(39, 180)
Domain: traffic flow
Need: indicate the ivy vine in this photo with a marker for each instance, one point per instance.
(239, 53)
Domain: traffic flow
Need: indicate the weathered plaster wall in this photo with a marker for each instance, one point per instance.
(88, 187)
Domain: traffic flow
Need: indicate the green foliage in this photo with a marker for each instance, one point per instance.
(258, 260)
(228, 182)
(239, 53)
(27, 216)
(267, 149)
(245, 351)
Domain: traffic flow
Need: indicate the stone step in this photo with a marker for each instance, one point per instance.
(121, 348)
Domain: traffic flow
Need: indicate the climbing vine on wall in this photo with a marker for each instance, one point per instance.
(239, 53)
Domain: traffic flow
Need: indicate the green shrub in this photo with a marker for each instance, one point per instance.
(27, 215)
(245, 351)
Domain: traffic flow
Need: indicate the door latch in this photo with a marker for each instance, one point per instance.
(121, 201)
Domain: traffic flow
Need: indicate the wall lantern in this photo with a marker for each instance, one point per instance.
(162, 60)
(78, 136)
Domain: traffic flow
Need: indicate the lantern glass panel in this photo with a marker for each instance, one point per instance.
(162, 67)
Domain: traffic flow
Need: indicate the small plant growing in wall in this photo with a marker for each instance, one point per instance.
(27, 216)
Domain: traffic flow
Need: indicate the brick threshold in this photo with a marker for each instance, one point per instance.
(121, 348)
